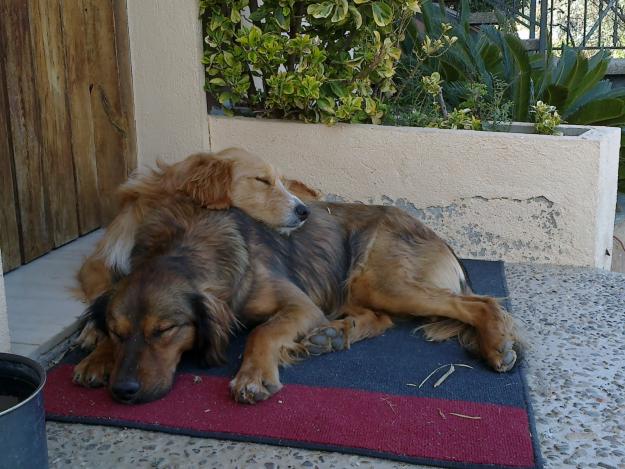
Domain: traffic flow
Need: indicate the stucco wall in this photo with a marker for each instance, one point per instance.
(511, 196)
(165, 52)
(5, 342)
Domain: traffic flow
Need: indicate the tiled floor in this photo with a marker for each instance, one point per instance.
(41, 310)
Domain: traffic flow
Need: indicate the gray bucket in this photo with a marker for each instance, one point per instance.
(23, 442)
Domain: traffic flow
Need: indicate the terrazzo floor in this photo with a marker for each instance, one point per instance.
(575, 327)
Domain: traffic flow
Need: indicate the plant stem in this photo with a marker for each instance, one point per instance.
(441, 102)
(405, 82)
(297, 12)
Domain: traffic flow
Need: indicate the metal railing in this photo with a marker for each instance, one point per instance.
(587, 24)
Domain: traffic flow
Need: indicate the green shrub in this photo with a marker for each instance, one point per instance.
(546, 118)
(328, 61)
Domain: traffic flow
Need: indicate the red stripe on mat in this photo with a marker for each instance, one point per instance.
(402, 425)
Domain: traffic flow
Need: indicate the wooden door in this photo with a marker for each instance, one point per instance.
(66, 126)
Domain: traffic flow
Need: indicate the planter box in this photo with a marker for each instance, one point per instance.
(515, 196)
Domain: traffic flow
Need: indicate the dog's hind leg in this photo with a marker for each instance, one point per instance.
(357, 324)
(274, 343)
(494, 328)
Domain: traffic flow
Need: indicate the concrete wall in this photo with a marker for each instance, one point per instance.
(5, 342)
(511, 196)
(168, 78)
(492, 195)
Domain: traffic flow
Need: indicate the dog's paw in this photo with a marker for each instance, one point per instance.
(251, 386)
(329, 338)
(92, 372)
(89, 336)
(504, 358)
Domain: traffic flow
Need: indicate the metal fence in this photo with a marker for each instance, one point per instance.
(588, 24)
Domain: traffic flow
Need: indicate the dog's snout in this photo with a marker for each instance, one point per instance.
(126, 390)
(302, 212)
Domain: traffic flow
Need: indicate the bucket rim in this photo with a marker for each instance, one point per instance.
(13, 358)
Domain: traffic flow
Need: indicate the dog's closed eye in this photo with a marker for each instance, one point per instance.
(165, 331)
(263, 180)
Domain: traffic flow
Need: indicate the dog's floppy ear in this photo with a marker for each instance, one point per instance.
(97, 311)
(208, 181)
(214, 324)
(301, 190)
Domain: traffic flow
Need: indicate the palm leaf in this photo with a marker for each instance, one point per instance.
(601, 110)
(555, 95)
(602, 89)
(566, 63)
(595, 71)
(521, 84)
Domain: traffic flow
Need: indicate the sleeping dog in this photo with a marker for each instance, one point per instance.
(230, 178)
(343, 276)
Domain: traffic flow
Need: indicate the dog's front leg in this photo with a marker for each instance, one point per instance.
(274, 343)
(94, 370)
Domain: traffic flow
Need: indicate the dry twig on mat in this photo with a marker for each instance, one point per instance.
(452, 368)
(390, 404)
(472, 417)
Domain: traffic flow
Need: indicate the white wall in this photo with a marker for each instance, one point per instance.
(168, 78)
(512, 196)
(5, 342)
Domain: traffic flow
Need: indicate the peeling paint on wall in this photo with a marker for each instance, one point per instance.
(491, 238)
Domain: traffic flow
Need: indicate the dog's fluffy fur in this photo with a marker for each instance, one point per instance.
(230, 178)
(344, 275)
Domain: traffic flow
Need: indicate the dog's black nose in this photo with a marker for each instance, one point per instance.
(126, 390)
(302, 212)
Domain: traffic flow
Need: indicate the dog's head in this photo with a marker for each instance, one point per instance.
(236, 178)
(152, 317)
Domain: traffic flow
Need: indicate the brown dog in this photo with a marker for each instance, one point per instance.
(196, 274)
(230, 178)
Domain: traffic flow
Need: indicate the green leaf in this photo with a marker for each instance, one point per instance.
(217, 81)
(598, 111)
(555, 95)
(339, 89)
(357, 16)
(229, 58)
(382, 13)
(566, 64)
(283, 21)
(521, 85)
(254, 36)
(235, 16)
(224, 97)
(595, 72)
(320, 10)
(326, 104)
(340, 12)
